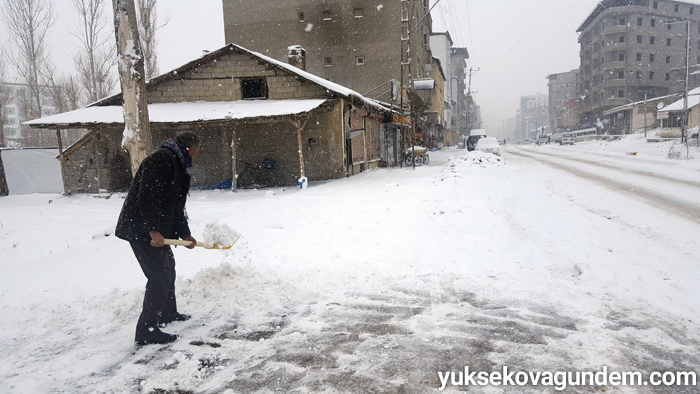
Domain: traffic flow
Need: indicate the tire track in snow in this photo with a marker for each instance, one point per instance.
(657, 199)
(647, 173)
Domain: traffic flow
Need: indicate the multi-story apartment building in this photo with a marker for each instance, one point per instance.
(563, 98)
(629, 47)
(355, 43)
(454, 61)
(533, 115)
(13, 133)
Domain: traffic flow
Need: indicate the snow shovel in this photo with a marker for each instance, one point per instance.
(205, 245)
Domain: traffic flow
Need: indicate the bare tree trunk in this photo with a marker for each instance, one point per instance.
(148, 25)
(95, 59)
(137, 131)
(28, 22)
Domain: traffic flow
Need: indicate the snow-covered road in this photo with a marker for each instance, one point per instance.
(373, 283)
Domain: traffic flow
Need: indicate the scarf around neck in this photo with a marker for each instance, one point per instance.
(180, 151)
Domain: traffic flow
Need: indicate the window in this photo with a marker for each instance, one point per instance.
(640, 21)
(676, 8)
(359, 13)
(651, 75)
(620, 93)
(327, 61)
(327, 15)
(639, 39)
(668, 26)
(621, 57)
(301, 16)
(690, 10)
(668, 42)
(668, 59)
(9, 120)
(656, 4)
(668, 76)
(653, 22)
(651, 58)
(254, 88)
(360, 61)
(621, 39)
(639, 57)
(621, 75)
(639, 74)
(652, 40)
(621, 21)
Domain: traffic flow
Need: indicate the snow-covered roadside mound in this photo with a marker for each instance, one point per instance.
(462, 164)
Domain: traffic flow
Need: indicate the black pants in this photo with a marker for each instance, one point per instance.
(158, 264)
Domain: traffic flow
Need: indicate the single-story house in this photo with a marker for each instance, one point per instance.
(243, 105)
(628, 118)
(673, 112)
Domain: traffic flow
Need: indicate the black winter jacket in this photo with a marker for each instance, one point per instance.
(156, 199)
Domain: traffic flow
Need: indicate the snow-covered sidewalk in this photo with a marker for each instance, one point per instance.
(373, 283)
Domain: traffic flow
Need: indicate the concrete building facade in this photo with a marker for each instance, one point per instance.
(533, 115)
(563, 97)
(629, 47)
(355, 43)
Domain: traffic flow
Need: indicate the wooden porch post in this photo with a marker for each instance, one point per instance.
(364, 140)
(234, 180)
(300, 126)
(61, 160)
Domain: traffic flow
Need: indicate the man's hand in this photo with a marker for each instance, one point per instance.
(157, 240)
(193, 244)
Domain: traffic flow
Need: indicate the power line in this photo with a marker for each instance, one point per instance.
(471, 40)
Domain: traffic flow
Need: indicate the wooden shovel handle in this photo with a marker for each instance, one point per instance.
(207, 245)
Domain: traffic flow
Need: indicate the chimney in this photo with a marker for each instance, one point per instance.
(296, 56)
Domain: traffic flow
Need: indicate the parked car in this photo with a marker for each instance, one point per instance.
(474, 136)
(488, 145)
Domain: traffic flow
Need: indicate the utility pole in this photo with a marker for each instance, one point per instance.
(405, 62)
(645, 113)
(684, 123)
(469, 94)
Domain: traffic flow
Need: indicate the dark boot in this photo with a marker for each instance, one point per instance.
(154, 336)
(176, 317)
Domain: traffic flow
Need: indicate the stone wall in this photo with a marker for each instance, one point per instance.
(98, 163)
(221, 81)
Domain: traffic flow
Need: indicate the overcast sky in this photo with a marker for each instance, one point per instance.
(514, 43)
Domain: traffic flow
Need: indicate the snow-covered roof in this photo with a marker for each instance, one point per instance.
(632, 105)
(693, 100)
(185, 112)
(211, 56)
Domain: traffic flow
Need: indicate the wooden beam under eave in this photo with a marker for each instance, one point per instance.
(62, 161)
(234, 180)
(300, 126)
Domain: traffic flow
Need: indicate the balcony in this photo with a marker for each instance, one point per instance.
(615, 29)
(616, 65)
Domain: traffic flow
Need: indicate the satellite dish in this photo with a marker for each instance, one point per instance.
(660, 105)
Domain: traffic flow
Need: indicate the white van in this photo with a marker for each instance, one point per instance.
(568, 138)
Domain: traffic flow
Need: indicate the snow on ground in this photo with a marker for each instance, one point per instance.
(373, 283)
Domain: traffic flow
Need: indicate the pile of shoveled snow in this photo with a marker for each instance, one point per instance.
(469, 161)
(220, 233)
